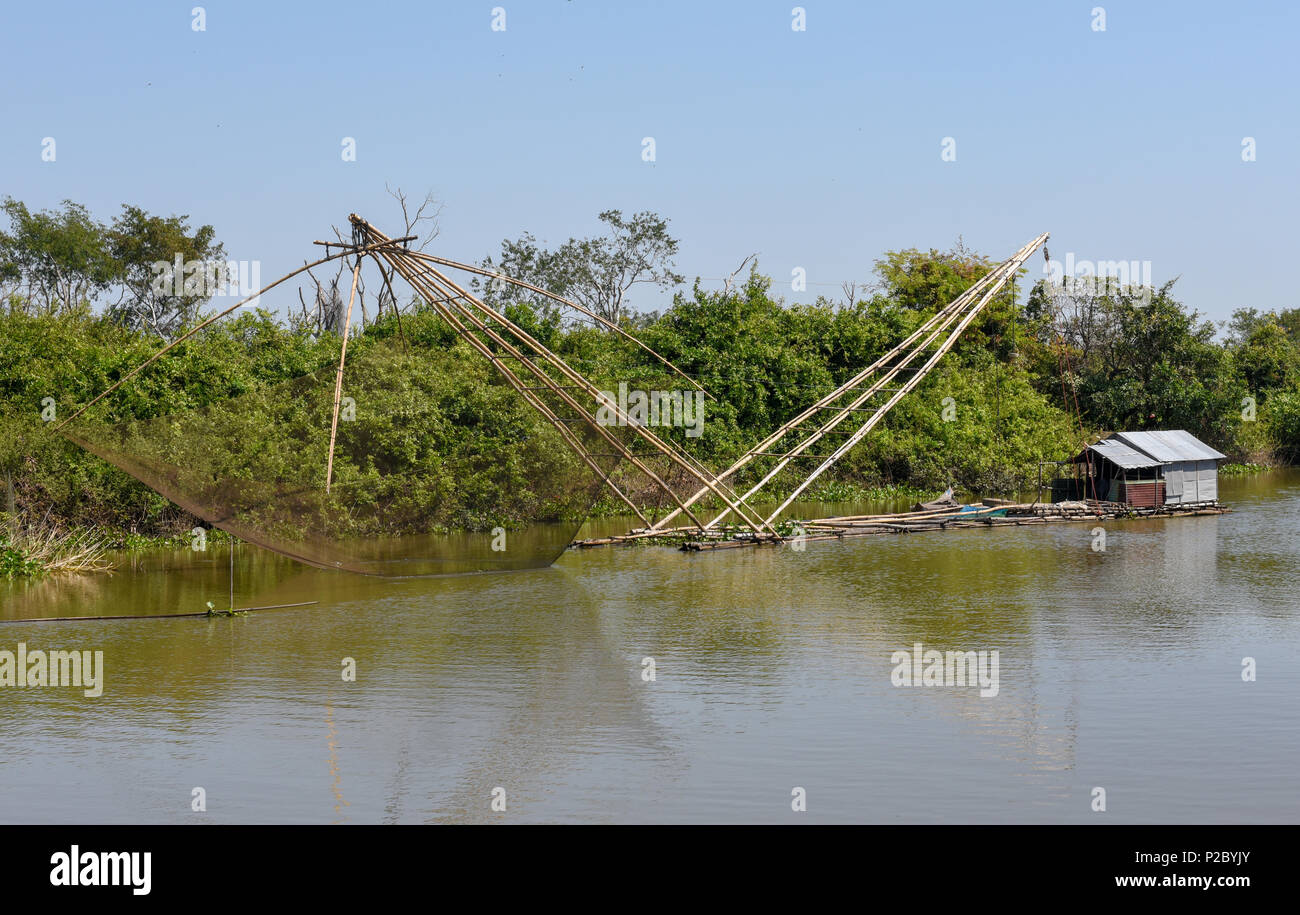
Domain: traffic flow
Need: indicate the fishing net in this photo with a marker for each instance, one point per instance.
(438, 467)
(474, 448)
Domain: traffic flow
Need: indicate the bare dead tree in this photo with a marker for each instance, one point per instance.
(728, 281)
(322, 309)
(325, 313)
(307, 318)
(850, 290)
(422, 221)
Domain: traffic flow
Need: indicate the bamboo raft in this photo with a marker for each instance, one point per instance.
(999, 514)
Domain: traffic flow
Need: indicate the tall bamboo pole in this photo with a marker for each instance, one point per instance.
(678, 456)
(1005, 272)
(941, 318)
(452, 295)
(338, 379)
(569, 303)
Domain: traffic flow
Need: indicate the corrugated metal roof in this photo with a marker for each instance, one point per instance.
(1121, 455)
(1170, 445)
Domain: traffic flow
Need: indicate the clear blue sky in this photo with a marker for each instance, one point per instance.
(818, 149)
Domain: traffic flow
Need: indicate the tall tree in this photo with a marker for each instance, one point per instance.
(597, 273)
(926, 281)
(1265, 355)
(57, 260)
(147, 250)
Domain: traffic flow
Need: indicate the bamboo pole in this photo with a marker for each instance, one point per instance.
(909, 348)
(438, 299)
(338, 379)
(683, 459)
(951, 309)
(566, 302)
(441, 302)
(451, 296)
(700, 471)
(529, 396)
(1008, 270)
(845, 412)
(664, 448)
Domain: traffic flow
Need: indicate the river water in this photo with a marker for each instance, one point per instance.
(773, 670)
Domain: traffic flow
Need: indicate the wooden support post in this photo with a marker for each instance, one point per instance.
(338, 379)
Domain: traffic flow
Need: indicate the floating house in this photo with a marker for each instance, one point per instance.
(1144, 469)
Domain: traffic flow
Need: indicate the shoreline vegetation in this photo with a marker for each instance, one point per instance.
(1250, 468)
(1029, 380)
(35, 550)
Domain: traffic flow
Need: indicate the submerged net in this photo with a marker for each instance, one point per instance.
(438, 468)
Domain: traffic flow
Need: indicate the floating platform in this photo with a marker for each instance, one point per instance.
(994, 513)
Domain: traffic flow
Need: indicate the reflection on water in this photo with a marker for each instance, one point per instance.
(1118, 669)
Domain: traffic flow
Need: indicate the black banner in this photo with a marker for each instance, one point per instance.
(332, 864)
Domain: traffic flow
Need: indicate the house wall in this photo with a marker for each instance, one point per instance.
(1180, 481)
(1191, 481)
(1208, 481)
(1146, 494)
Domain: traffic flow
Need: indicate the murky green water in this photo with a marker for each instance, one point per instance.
(1119, 670)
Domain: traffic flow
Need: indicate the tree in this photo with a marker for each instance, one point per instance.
(1265, 355)
(58, 260)
(423, 222)
(1289, 318)
(147, 250)
(922, 283)
(1156, 365)
(1281, 418)
(926, 281)
(597, 272)
(326, 314)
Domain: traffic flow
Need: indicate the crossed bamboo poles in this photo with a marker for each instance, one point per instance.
(792, 440)
(473, 321)
(500, 340)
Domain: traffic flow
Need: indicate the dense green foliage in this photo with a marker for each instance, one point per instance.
(14, 562)
(1141, 360)
(1023, 385)
(249, 401)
